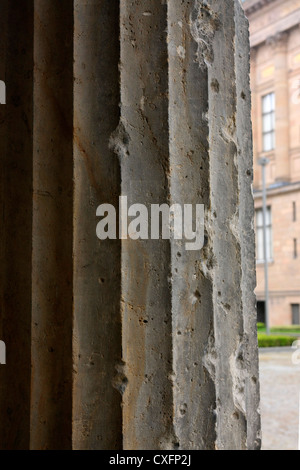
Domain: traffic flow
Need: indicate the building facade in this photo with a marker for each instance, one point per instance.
(275, 85)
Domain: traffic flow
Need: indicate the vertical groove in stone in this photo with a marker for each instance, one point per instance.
(143, 145)
(97, 325)
(192, 305)
(51, 385)
(225, 200)
(16, 222)
(246, 227)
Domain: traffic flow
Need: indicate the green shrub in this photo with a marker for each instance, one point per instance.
(261, 328)
(270, 341)
(286, 329)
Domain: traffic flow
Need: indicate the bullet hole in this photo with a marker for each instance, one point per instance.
(102, 280)
(179, 254)
(92, 363)
(219, 293)
(183, 409)
(197, 295)
(248, 172)
(215, 214)
(179, 333)
(254, 380)
(236, 415)
(215, 86)
(240, 356)
(145, 321)
(243, 96)
(120, 381)
(51, 350)
(125, 139)
(176, 445)
(227, 307)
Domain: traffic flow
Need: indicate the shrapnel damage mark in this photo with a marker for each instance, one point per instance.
(203, 24)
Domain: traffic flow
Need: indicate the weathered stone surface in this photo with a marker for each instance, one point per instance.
(134, 344)
(246, 230)
(146, 265)
(192, 288)
(97, 278)
(51, 329)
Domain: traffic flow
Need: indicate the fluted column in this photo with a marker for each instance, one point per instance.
(126, 343)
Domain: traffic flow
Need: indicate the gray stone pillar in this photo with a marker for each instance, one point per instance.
(185, 144)
(126, 344)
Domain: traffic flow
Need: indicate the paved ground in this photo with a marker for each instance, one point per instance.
(280, 391)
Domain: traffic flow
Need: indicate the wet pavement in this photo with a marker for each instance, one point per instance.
(280, 391)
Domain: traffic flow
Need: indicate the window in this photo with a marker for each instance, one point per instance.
(260, 235)
(295, 314)
(261, 313)
(268, 122)
(294, 212)
(295, 249)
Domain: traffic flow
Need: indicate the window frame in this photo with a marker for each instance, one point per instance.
(259, 228)
(295, 312)
(271, 114)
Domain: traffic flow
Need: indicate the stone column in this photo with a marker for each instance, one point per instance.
(187, 311)
(126, 344)
(282, 157)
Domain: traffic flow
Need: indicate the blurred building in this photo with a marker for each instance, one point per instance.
(275, 83)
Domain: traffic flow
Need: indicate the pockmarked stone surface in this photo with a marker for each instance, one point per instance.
(126, 344)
